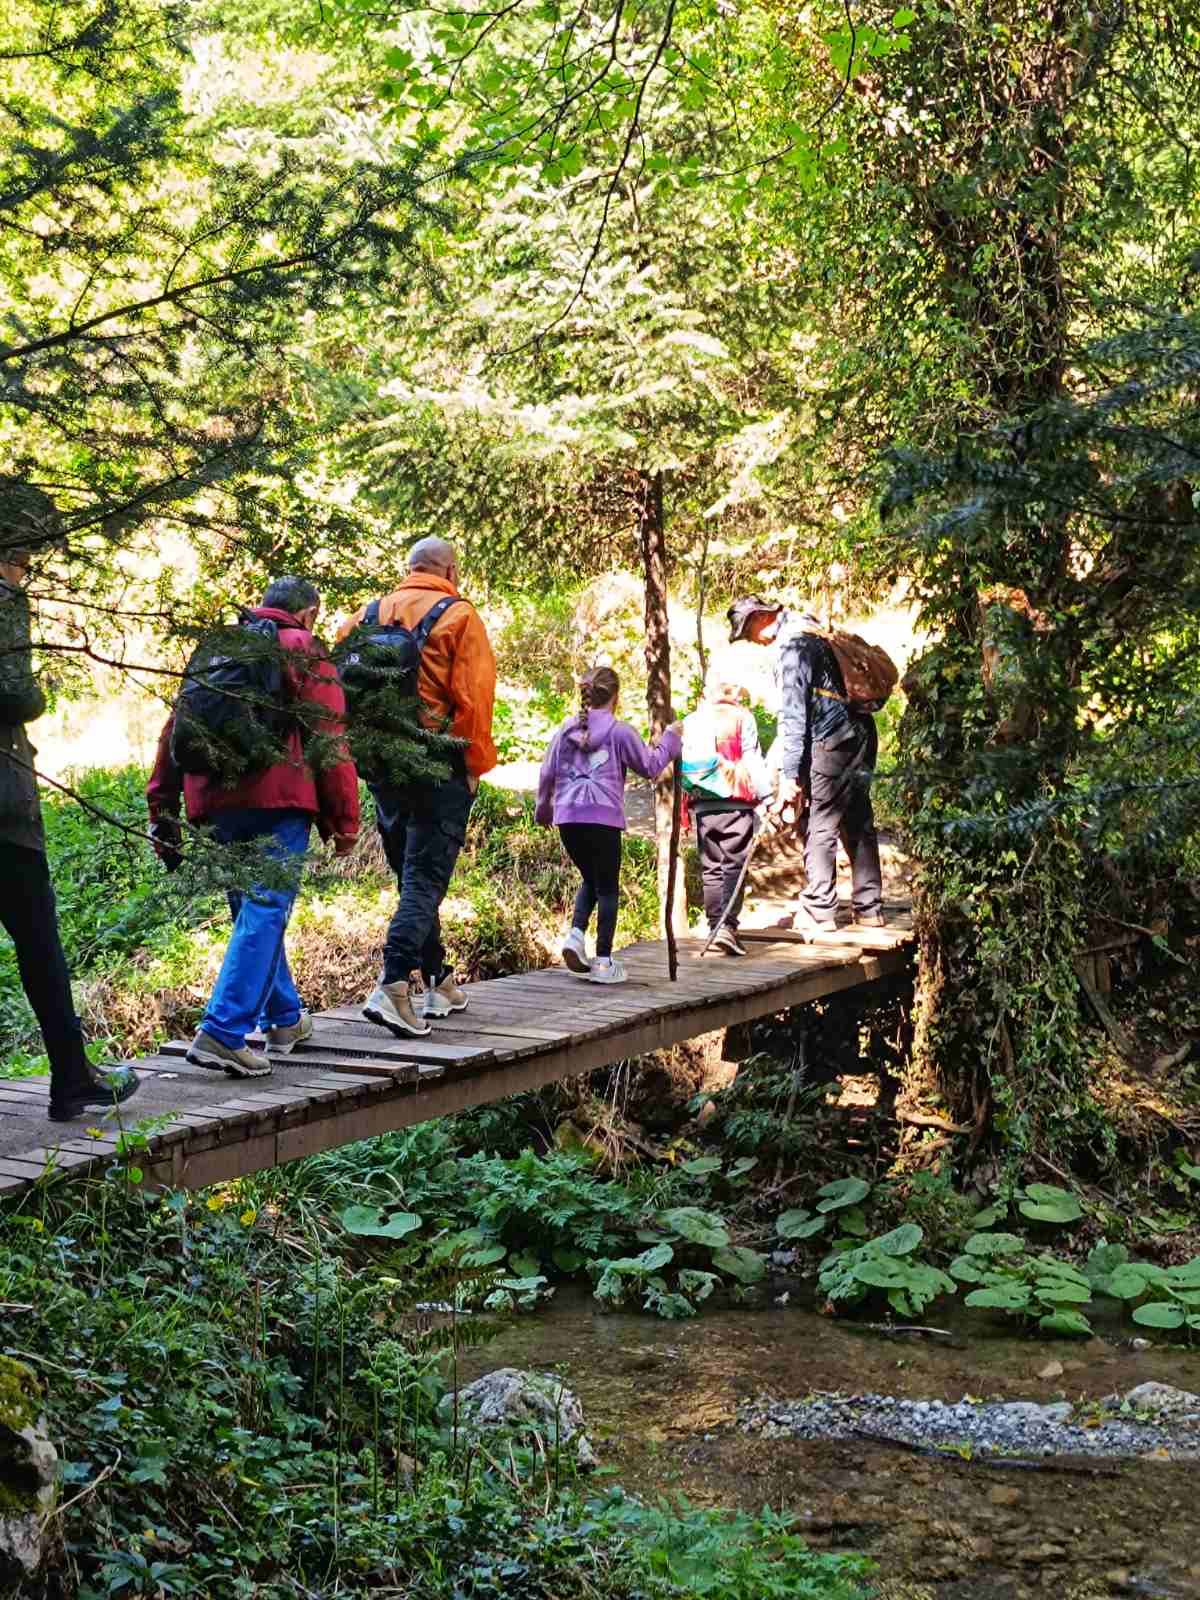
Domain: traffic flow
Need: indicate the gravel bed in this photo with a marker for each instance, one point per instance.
(997, 1428)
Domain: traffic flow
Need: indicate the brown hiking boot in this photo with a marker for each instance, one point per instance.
(444, 998)
(205, 1051)
(282, 1041)
(869, 919)
(390, 1005)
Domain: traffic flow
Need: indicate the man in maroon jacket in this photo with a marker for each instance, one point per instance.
(277, 805)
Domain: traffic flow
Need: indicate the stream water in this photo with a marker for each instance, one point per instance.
(661, 1403)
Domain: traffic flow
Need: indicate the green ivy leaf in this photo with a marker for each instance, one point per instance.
(740, 1262)
(700, 1227)
(1159, 1314)
(798, 1224)
(994, 1244)
(1065, 1322)
(901, 1241)
(842, 1192)
(1044, 1203)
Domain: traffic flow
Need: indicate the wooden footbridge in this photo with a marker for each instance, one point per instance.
(353, 1080)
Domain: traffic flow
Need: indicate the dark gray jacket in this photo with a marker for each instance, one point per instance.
(21, 701)
(812, 696)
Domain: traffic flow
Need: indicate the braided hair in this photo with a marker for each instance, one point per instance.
(597, 689)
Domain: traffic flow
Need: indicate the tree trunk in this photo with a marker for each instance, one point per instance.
(653, 543)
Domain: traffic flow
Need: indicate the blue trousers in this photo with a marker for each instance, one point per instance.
(254, 987)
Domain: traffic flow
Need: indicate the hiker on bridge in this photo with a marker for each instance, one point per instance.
(29, 521)
(273, 806)
(581, 790)
(828, 748)
(439, 639)
(725, 779)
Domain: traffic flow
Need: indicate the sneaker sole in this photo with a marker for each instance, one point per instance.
(232, 1069)
(400, 1029)
(274, 1049)
(445, 1009)
(592, 978)
(574, 961)
(70, 1112)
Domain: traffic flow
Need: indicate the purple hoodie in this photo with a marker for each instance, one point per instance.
(580, 785)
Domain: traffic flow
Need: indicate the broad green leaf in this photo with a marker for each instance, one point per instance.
(567, 1260)
(700, 1227)
(697, 1285)
(744, 1264)
(988, 1216)
(842, 1192)
(525, 1265)
(880, 1272)
(741, 1166)
(1186, 1275)
(659, 1256)
(1158, 1314)
(1006, 1297)
(798, 1224)
(994, 1244)
(1044, 1203)
(1065, 1322)
(853, 1221)
(372, 1222)
(901, 1241)
(701, 1166)
(1190, 1171)
(1056, 1291)
(967, 1269)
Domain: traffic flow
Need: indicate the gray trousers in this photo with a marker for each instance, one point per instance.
(840, 808)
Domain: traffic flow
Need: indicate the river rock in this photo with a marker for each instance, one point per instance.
(28, 1476)
(527, 1402)
(1162, 1397)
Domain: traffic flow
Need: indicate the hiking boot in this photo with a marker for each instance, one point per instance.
(605, 970)
(282, 1041)
(869, 919)
(443, 998)
(574, 952)
(100, 1089)
(205, 1051)
(809, 924)
(390, 1005)
(728, 943)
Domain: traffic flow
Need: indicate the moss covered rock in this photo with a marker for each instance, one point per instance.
(28, 1476)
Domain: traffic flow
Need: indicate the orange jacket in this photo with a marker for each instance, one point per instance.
(457, 680)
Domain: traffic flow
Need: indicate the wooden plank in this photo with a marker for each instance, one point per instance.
(22, 1167)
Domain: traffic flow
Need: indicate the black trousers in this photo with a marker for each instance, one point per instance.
(723, 838)
(30, 918)
(423, 827)
(840, 808)
(595, 848)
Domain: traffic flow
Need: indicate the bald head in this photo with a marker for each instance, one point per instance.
(435, 556)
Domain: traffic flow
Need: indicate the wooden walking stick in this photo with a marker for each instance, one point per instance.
(673, 871)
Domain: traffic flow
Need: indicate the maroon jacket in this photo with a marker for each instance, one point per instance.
(331, 795)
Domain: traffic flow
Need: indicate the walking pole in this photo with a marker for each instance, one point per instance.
(760, 828)
(673, 872)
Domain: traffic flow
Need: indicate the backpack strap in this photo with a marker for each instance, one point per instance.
(370, 615)
(431, 618)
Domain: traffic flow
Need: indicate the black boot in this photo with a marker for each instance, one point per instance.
(97, 1091)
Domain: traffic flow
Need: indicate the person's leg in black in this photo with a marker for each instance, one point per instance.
(436, 833)
(859, 837)
(737, 835)
(606, 875)
(29, 916)
(576, 840)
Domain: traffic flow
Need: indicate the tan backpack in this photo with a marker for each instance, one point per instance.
(868, 672)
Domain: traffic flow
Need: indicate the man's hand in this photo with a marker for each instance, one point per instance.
(167, 835)
(343, 843)
(791, 792)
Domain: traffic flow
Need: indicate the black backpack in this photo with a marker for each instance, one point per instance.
(386, 654)
(231, 715)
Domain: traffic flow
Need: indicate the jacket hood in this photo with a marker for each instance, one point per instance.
(599, 724)
(285, 619)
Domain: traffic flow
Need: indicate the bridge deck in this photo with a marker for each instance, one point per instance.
(353, 1080)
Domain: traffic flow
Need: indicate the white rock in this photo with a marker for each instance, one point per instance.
(530, 1402)
(1163, 1397)
(28, 1474)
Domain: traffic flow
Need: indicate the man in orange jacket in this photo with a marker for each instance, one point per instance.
(423, 825)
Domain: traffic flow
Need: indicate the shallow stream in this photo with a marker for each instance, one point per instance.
(661, 1401)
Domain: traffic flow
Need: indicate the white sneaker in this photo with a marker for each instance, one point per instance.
(574, 952)
(605, 970)
(391, 1007)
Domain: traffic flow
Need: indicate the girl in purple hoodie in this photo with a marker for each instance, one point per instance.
(582, 791)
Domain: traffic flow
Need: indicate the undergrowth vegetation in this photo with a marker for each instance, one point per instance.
(247, 1404)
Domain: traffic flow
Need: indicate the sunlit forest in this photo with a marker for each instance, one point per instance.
(600, 321)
